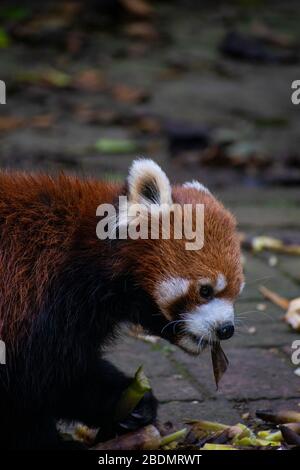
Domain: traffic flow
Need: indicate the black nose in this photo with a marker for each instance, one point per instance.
(225, 331)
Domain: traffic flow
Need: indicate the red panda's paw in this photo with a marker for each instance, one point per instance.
(144, 414)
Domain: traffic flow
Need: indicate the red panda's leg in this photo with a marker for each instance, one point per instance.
(93, 399)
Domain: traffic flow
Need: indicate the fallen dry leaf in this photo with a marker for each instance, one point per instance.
(211, 435)
(274, 298)
(267, 34)
(279, 417)
(90, 80)
(10, 123)
(292, 316)
(42, 121)
(85, 113)
(219, 360)
(128, 94)
(260, 243)
(149, 124)
(58, 18)
(141, 30)
(147, 438)
(290, 436)
(137, 7)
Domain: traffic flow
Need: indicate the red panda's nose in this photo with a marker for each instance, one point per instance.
(225, 331)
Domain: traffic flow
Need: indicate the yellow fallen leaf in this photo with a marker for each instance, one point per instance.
(208, 446)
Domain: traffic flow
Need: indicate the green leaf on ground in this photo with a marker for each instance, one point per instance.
(4, 39)
(116, 146)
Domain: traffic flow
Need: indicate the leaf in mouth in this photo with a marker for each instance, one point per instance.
(219, 361)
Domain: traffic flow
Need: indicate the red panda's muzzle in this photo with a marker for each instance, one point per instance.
(186, 341)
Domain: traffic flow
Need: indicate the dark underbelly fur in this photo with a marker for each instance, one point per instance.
(58, 371)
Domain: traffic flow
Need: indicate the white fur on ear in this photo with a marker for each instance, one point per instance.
(196, 185)
(147, 183)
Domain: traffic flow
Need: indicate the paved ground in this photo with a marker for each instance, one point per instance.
(261, 374)
(187, 80)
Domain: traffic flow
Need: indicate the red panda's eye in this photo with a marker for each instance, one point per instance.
(206, 291)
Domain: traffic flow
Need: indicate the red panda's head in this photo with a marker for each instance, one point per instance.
(194, 289)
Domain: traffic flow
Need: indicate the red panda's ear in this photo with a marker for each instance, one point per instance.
(196, 185)
(148, 184)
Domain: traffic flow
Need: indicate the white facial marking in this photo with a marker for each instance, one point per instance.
(242, 287)
(221, 283)
(170, 289)
(206, 318)
(196, 185)
(204, 281)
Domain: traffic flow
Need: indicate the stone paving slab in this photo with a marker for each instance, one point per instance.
(129, 353)
(260, 217)
(254, 373)
(276, 404)
(178, 412)
(175, 388)
(290, 266)
(264, 197)
(258, 272)
(258, 373)
(290, 349)
(264, 336)
(255, 328)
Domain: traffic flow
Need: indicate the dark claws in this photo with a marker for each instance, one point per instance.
(125, 426)
(136, 415)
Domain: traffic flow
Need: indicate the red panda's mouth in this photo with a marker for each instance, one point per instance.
(191, 344)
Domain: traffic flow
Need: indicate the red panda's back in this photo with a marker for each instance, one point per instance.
(39, 217)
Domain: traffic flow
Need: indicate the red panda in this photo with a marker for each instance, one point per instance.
(65, 293)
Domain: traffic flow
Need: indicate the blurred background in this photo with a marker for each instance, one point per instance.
(203, 87)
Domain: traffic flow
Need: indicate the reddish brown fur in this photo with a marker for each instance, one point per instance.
(40, 218)
(155, 260)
